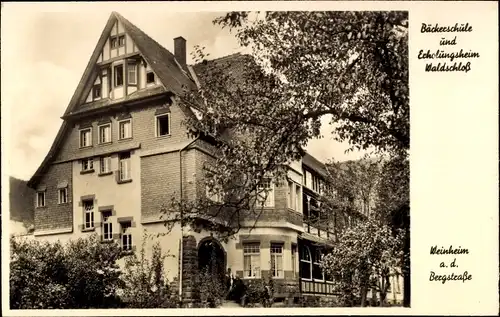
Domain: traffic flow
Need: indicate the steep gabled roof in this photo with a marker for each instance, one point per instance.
(172, 75)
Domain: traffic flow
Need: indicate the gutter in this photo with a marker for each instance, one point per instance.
(182, 216)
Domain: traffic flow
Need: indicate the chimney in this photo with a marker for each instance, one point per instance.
(180, 50)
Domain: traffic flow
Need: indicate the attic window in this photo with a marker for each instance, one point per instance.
(150, 77)
(117, 41)
(96, 92)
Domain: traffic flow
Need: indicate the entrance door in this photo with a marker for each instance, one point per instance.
(211, 259)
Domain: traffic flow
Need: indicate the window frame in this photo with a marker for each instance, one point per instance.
(81, 133)
(38, 205)
(275, 256)
(65, 191)
(101, 126)
(124, 233)
(315, 262)
(135, 77)
(103, 159)
(120, 123)
(113, 40)
(269, 200)
(148, 83)
(247, 247)
(90, 164)
(88, 225)
(94, 96)
(157, 125)
(115, 78)
(306, 248)
(107, 225)
(128, 169)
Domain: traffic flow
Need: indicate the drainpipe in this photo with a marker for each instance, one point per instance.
(182, 216)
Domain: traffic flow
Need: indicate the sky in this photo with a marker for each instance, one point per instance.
(45, 49)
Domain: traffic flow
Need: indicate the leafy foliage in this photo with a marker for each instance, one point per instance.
(145, 282)
(363, 258)
(81, 274)
(262, 109)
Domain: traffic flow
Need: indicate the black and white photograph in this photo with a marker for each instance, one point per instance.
(208, 159)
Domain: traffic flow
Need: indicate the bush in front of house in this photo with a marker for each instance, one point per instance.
(145, 283)
(258, 291)
(80, 274)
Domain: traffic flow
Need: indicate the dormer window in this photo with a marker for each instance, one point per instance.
(118, 76)
(132, 73)
(150, 77)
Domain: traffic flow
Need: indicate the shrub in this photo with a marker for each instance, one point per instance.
(210, 290)
(259, 291)
(145, 282)
(81, 274)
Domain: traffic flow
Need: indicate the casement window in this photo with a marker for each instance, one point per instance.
(121, 40)
(96, 92)
(305, 263)
(40, 199)
(63, 195)
(105, 133)
(88, 214)
(113, 42)
(162, 125)
(118, 75)
(132, 73)
(117, 41)
(125, 129)
(317, 271)
(124, 166)
(126, 236)
(277, 260)
(107, 226)
(265, 195)
(104, 164)
(86, 137)
(150, 77)
(87, 164)
(294, 196)
(294, 260)
(251, 260)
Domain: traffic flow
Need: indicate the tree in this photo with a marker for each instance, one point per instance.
(393, 207)
(145, 282)
(262, 109)
(363, 258)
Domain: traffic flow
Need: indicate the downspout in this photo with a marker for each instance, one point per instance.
(182, 216)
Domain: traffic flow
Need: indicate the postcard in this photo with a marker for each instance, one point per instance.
(250, 158)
